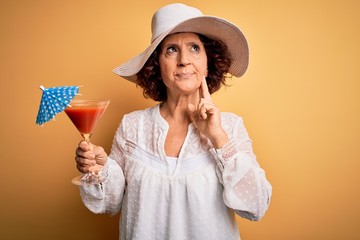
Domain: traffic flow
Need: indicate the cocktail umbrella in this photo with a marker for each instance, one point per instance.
(53, 101)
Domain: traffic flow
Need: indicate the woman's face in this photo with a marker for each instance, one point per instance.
(183, 63)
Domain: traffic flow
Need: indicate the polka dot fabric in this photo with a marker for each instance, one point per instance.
(197, 201)
(53, 101)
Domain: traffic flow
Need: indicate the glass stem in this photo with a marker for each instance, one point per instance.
(87, 137)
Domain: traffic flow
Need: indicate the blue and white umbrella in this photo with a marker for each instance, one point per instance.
(53, 101)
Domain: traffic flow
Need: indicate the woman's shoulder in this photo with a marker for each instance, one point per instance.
(139, 115)
(230, 116)
(137, 124)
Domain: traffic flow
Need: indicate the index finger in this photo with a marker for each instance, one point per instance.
(204, 91)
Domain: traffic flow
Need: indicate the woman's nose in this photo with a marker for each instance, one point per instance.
(183, 59)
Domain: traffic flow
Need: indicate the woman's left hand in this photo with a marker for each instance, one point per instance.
(206, 117)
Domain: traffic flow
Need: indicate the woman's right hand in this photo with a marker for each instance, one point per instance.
(89, 157)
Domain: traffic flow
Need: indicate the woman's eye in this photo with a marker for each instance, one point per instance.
(195, 48)
(171, 50)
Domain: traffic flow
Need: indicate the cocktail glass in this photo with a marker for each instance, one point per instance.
(85, 115)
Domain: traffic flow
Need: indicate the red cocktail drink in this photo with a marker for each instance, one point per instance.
(85, 118)
(85, 115)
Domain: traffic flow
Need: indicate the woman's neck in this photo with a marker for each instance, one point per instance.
(177, 116)
(177, 108)
(175, 112)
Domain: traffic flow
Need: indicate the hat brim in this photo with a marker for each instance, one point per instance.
(212, 27)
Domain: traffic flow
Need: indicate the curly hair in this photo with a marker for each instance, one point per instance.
(219, 62)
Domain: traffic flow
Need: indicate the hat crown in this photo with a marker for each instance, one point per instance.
(171, 15)
(177, 17)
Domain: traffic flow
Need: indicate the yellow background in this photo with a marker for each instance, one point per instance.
(300, 100)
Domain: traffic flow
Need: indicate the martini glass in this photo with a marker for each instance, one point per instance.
(85, 115)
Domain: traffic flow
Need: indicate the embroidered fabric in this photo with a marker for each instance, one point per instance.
(191, 202)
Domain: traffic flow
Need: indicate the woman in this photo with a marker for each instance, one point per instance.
(181, 169)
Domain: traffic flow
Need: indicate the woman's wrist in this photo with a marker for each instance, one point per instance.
(220, 139)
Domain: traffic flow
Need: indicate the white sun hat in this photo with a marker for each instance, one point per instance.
(177, 17)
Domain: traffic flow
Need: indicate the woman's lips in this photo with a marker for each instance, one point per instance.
(185, 75)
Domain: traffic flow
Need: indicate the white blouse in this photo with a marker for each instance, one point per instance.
(193, 197)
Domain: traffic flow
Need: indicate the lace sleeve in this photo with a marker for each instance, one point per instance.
(107, 196)
(246, 189)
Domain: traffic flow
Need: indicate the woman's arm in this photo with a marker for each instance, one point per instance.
(107, 196)
(246, 189)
